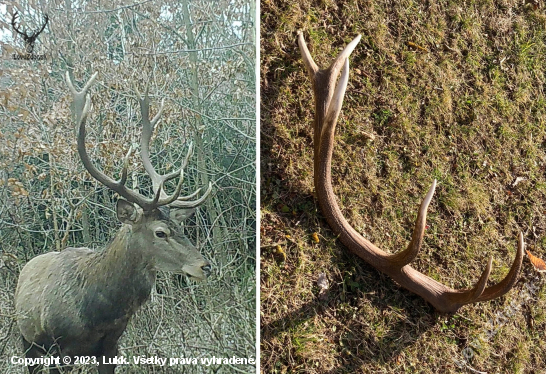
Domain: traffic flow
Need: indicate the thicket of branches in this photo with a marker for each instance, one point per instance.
(198, 56)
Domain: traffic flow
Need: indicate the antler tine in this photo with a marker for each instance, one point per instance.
(144, 106)
(148, 127)
(14, 23)
(157, 116)
(39, 31)
(329, 94)
(147, 132)
(483, 293)
(182, 203)
(166, 200)
(406, 256)
(124, 174)
(472, 295)
(188, 155)
(336, 101)
(346, 52)
(508, 282)
(337, 64)
(312, 67)
(189, 197)
(79, 97)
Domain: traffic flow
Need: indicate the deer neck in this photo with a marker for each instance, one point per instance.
(119, 279)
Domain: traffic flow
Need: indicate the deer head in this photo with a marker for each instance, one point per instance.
(329, 94)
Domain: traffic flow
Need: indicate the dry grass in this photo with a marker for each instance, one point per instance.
(468, 111)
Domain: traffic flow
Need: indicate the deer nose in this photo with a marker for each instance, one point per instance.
(207, 269)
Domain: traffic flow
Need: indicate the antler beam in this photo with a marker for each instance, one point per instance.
(329, 95)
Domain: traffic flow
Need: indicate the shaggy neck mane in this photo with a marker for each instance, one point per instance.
(117, 280)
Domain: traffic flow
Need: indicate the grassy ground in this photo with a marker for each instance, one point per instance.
(449, 90)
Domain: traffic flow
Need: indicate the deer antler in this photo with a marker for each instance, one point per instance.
(39, 31)
(329, 95)
(158, 180)
(14, 23)
(34, 35)
(82, 104)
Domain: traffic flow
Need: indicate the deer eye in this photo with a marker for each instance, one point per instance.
(160, 234)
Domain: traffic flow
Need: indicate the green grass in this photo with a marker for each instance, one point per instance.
(470, 113)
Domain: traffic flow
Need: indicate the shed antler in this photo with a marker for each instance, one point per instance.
(329, 95)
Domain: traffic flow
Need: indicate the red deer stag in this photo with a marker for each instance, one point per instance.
(77, 302)
(329, 95)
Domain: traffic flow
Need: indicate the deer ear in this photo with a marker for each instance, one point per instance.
(126, 212)
(179, 215)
